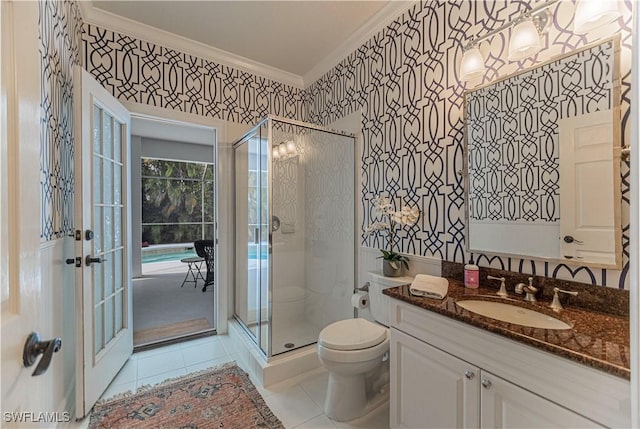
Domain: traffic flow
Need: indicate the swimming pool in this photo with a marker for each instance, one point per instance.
(169, 256)
(176, 255)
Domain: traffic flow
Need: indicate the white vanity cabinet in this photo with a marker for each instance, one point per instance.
(447, 374)
(431, 388)
(505, 405)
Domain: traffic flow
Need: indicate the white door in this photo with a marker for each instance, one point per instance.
(442, 393)
(589, 183)
(23, 307)
(505, 405)
(102, 201)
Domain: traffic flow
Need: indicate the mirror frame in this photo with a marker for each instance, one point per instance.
(616, 101)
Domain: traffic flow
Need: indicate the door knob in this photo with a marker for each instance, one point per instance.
(469, 374)
(33, 347)
(89, 260)
(569, 239)
(486, 383)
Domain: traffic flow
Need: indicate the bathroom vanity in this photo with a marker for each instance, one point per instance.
(454, 368)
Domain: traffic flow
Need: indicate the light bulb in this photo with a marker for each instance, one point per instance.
(472, 66)
(282, 149)
(591, 14)
(275, 152)
(291, 146)
(525, 41)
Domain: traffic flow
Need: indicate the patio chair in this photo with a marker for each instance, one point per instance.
(205, 249)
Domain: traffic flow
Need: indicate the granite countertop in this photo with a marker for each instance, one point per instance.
(597, 339)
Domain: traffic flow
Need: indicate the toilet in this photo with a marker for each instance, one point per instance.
(353, 352)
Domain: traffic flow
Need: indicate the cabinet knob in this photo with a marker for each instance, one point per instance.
(469, 374)
(486, 383)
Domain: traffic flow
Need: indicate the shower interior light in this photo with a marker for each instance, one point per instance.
(525, 41)
(282, 149)
(591, 14)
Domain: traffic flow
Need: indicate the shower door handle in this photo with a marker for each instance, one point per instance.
(256, 236)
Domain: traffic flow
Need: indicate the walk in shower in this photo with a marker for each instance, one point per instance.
(294, 232)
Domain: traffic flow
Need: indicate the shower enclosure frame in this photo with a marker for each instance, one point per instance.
(244, 140)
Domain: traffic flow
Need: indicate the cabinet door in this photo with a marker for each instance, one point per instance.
(431, 388)
(505, 405)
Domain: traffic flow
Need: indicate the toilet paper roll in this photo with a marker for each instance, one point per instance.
(360, 300)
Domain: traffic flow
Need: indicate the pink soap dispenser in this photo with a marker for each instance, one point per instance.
(471, 275)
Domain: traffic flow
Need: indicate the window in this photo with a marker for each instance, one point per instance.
(177, 201)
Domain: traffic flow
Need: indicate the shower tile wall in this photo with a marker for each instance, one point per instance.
(329, 208)
(288, 242)
(313, 257)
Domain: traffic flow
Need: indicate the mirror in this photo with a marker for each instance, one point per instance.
(543, 161)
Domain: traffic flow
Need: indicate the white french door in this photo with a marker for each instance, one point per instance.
(103, 222)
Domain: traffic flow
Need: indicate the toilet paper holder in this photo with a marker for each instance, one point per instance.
(364, 288)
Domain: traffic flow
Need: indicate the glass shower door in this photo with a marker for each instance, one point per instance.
(252, 236)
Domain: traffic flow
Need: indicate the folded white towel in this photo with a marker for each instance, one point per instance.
(429, 286)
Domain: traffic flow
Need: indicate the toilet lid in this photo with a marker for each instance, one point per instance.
(352, 334)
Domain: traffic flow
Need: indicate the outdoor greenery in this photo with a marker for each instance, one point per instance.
(177, 201)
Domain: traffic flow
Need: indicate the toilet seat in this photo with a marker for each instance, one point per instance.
(352, 334)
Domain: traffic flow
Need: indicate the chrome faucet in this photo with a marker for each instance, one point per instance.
(503, 289)
(529, 290)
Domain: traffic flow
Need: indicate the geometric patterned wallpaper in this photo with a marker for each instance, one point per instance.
(405, 81)
(512, 134)
(60, 27)
(135, 70)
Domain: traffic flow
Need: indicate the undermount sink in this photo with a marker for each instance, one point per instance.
(513, 314)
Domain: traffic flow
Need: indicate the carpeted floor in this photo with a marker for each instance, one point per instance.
(160, 302)
(218, 398)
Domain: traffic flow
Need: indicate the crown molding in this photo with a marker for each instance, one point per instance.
(377, 23)
(101, 18)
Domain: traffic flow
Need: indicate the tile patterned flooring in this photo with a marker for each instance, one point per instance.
(297, 402)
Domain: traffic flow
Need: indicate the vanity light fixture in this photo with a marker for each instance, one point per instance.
(291, 147)
(591, 14)
(472, 66)
(276, 152)
(525, 40)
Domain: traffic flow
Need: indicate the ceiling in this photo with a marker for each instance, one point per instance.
(293, 36)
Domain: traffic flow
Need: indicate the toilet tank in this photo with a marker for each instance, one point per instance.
(379, 303)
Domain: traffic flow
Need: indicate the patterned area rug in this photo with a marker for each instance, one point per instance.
(223, 397)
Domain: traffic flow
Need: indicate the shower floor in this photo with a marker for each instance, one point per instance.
(300, 334)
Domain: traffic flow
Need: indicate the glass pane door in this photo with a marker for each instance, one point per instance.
(108, 275)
